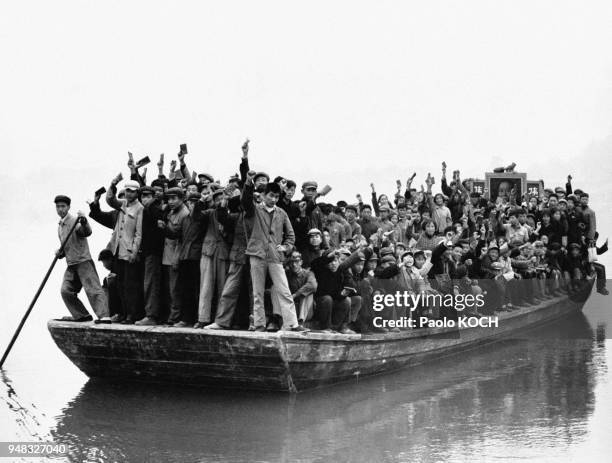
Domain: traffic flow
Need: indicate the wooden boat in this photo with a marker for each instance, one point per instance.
(282, 361)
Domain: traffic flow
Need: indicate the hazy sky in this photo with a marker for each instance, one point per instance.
(378, 88)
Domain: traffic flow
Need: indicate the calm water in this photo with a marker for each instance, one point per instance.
(546, 397)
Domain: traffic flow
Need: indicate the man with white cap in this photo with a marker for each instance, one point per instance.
(125, 245)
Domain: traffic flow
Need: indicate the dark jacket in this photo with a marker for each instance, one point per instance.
(332, 283)
(190, 232)
(152, 236)
(106, 219)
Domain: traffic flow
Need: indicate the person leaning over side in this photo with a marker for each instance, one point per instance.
(270, 239)
(81, 271)
(125, 246)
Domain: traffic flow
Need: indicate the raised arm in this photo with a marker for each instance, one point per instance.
(247, 195)
(111, 198)
(375, 201)
(83, 229)
(244, 162)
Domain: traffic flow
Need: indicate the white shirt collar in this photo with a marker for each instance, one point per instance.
(63, 220)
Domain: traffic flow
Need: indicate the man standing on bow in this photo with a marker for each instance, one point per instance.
(81, 271)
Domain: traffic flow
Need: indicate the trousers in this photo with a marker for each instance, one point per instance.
(172, 311)
(260, 268)
(83, 276)
(152, 286)
(213, 272)
(188, 289)
(129, 285)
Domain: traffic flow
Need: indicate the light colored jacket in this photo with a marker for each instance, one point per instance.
(77, 248)
(127, 234)
(172, 246)
(268, 229)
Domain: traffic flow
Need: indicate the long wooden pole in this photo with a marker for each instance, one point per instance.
(40, 288)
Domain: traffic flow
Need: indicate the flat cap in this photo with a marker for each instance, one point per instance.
(175, 191)
(206, 176)
(310, 184)
(62, 199)
(386, 251)
(261, 174)
(314, 231)
(131, 185)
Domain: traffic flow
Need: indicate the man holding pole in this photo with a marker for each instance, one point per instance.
(81, 271)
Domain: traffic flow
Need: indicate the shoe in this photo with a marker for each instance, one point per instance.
(215, 326)
(127, 321)
(200, 325)
(259, 329)
(347, 330)
(68, 318)
(299, 329)
(394, 330)
(272, 327)
(181, 324)
(381, 329)
(117, 318)
(147, 321)
(603, 291)
(104, 320)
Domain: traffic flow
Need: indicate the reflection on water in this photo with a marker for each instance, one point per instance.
(526, 398)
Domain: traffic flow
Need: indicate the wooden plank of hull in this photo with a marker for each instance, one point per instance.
(315, 364)
(273, 361)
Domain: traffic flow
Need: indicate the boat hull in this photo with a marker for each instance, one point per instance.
(282, 361)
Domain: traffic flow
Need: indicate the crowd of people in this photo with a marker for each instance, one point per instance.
(188, 250)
